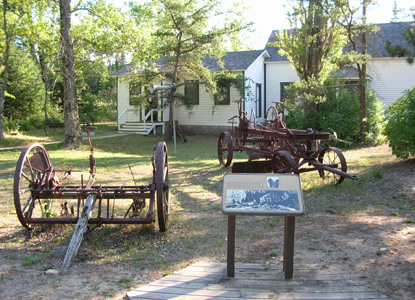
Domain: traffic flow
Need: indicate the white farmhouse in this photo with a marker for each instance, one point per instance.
(268, 74)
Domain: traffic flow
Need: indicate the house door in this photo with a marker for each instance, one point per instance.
(258, 100)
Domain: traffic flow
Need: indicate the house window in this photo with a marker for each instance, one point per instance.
(283, 91)
(191, 92)
(224, 91)
(135, 90)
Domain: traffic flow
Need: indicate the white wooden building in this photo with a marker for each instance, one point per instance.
(268, 74)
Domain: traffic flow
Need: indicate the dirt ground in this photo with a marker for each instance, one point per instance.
(375, 246)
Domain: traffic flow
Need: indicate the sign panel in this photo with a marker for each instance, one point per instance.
(262, 194)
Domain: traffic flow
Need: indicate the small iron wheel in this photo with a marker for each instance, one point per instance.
(33, 171)
(162, 186)
(283, 162)
(252, 118)
(225, 149)
(270, 117)
(334, 158)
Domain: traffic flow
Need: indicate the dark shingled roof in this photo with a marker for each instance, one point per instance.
(125, 70)
(376, 41)
(232, 61)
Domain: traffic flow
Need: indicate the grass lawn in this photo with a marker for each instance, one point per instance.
(198, 229)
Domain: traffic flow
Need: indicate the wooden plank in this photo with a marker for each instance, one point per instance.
(205, 280)
(280, 288)
(79, 231)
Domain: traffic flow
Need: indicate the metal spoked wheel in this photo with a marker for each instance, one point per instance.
(333, 158)
(252, 118)
(225, 149)
(33, 171)
(283, 162)
(270, 116)
(162, 186)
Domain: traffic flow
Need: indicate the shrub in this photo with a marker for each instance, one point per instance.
(341, 113)
(400, 129)
(10, 125)
(376, 121)
(94, 108)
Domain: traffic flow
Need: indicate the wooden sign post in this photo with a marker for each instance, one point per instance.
(267, 195)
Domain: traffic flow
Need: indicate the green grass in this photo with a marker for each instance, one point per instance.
(51, 135)
(198, 229)
(28, 260)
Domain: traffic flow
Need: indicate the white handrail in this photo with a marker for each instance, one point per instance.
(150, 115)
(122, 114)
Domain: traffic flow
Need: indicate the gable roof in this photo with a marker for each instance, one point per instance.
(240, 60)
(375, 41)
(234, 61)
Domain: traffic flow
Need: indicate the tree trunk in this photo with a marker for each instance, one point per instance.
(362, 88)
(6, 68)
(70, 105)
(362, 83)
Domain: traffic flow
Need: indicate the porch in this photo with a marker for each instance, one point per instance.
(129, 121)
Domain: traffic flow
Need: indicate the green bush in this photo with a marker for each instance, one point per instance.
(93, 108)
(376, 121)
(400, 129)
(341, 113)
(10, 125)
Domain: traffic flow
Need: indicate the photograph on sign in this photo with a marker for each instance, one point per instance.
(262, 194)
(262, 200)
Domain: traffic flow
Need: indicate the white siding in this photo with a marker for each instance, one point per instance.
(123, 102)
(206, 113)
(391, 77)
(276, 73)
(123, 98)
(255, 73)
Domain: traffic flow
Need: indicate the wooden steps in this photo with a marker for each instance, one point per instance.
(140, 127)
(207, 280)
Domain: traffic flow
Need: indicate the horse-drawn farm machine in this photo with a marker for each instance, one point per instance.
(37, 188)
(282, 150)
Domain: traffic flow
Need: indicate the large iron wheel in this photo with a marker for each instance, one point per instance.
(225, 149)
(162, 186)
(33, 171)
(333, 158)
(283, 162)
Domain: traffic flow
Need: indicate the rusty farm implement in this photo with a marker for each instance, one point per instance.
(282, 150)
(40, 197)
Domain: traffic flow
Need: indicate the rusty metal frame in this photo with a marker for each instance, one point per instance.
(290, 150)
(36, 178)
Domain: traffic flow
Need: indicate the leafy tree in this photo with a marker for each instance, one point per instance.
(12, 20)
(42, 40)
(400, 128)
(4, 64)
(357, 30)
(313, 44)
(189, 31)
(24, 84)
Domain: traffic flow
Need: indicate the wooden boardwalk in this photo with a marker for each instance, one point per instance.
(207, 280)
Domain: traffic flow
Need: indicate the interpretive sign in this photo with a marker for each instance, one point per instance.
(262, 194)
